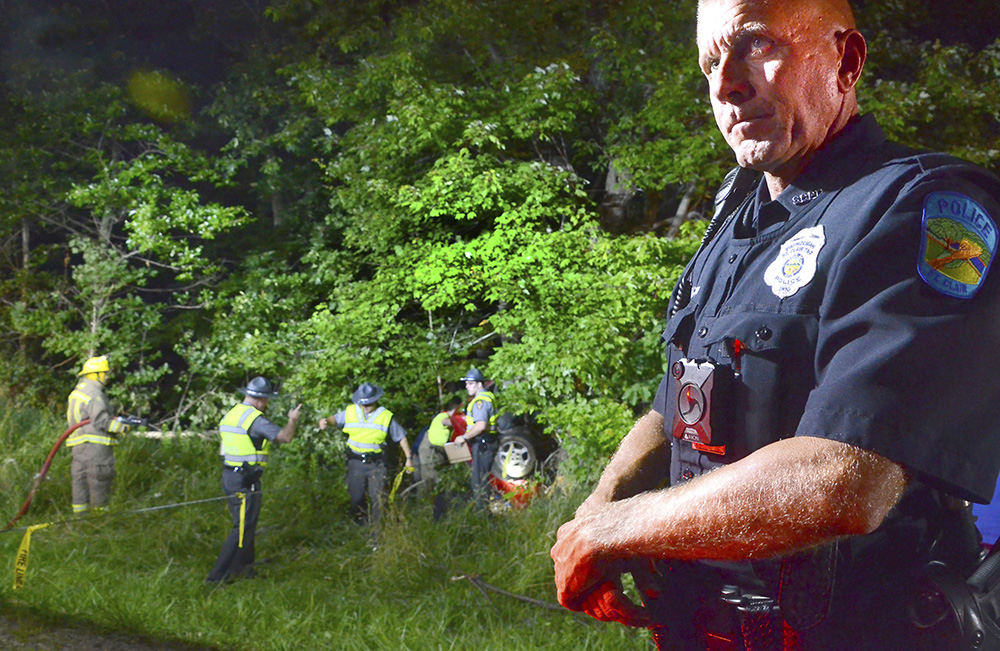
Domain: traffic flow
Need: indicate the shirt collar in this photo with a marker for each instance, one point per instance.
(835, 163)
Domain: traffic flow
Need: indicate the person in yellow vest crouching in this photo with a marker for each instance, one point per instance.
(93, 466)
(430, 442)
(367, 425)
(247, 436)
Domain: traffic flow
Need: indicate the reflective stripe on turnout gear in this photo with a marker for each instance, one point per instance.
(78, 408)
(237, 446)
(366, 435)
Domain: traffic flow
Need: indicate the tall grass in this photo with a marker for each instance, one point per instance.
(321, 585)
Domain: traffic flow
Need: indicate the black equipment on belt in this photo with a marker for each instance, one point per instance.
(972, 605)
(250, 473)
(365, 457)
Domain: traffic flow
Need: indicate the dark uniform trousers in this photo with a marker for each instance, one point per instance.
(365, 479)
(235, 561)
(484, 449)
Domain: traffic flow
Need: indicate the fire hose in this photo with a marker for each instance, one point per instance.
(45, 469)
(126, 420)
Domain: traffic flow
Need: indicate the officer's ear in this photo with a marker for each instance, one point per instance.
(853, 51)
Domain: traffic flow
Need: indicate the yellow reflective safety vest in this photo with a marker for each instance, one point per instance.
(87, 401)
(237, 446)
(486, 396)
(366, 435)
(437, 432)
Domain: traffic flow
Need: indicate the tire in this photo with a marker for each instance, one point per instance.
(516, 457)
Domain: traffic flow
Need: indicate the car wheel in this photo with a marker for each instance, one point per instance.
(516, 457)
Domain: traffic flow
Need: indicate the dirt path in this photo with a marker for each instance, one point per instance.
(18, 633)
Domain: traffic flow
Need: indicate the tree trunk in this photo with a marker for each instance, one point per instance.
(681, 214)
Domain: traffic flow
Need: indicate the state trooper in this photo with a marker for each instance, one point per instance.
(822, 419)
(246, 437)
(480, 432)
(93, 467)
(368, 425)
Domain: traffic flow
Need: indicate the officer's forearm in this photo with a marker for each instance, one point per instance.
(287, 432)
(475, 429)
(641, 463)
(788, 496)
(405, 445)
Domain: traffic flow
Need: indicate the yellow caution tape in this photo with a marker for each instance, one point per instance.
(397, 481)
(243, 515)
(21, 564)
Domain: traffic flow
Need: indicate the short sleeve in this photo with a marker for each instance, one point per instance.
(262, 428)
(480, 410)
(903, 368)
(396, 431)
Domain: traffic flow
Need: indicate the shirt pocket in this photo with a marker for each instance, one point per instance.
(775, 367)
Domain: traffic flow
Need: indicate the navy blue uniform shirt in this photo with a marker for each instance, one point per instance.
(865, 310)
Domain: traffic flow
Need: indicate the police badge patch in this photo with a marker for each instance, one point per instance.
(795, 265)
(957, 245)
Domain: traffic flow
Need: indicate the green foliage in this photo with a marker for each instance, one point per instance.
(320, 583)
(393, 192)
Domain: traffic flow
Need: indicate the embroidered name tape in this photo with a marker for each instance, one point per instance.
(959, 241)
(795, 265)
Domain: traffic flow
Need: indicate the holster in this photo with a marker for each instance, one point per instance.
(251, 474)
(963, 613)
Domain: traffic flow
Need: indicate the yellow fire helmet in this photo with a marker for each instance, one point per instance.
(95, 365)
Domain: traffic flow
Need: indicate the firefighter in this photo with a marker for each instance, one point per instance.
(93, 467)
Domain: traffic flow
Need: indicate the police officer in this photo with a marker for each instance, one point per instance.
(367, 425)
(247, 436)
(93, 467)
(480, 432)
(821, 420)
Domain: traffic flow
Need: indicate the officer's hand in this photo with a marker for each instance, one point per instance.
(294, 413)
(409, 467)
(589, 584)
(322, 423)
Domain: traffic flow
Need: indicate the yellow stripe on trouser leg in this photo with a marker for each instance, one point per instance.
(243, 516)
(21, 564)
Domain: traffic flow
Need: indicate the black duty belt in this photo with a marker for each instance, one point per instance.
(375, 457)
(243, 468)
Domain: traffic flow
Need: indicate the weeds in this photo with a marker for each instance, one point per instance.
(320, 583)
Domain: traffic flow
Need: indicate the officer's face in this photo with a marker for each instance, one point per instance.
(472, 387)
(772, 74)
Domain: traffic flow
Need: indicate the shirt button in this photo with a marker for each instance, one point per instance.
(763, 333)
(702, 331)
(732, 258)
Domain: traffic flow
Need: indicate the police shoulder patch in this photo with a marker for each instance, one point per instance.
(958, 241)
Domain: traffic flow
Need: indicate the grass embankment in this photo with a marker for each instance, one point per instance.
(321, 586)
